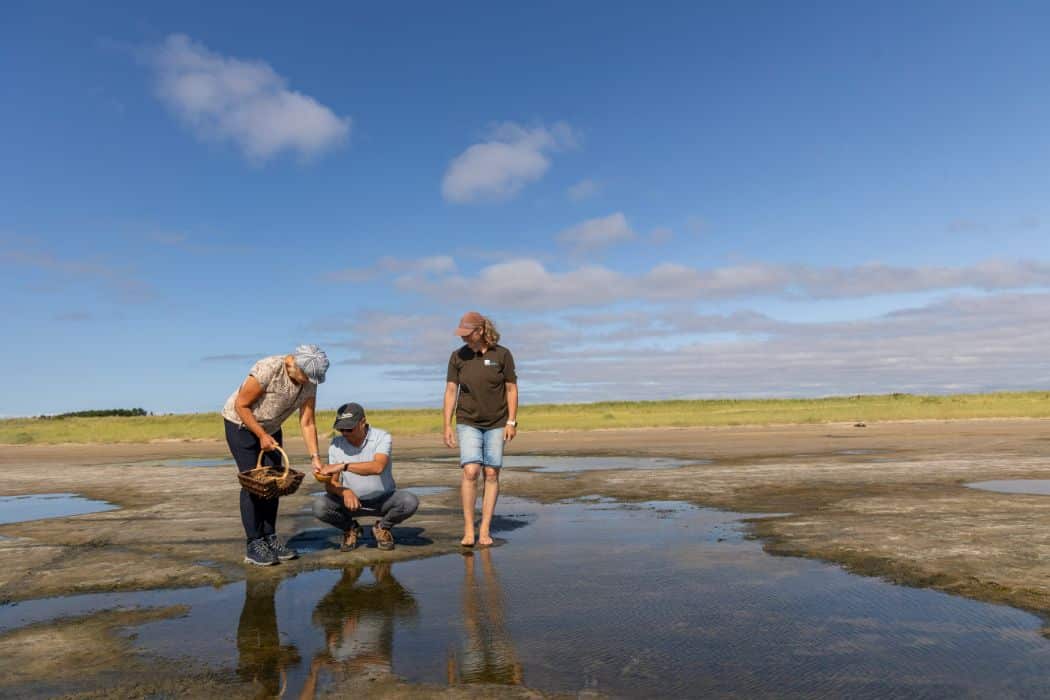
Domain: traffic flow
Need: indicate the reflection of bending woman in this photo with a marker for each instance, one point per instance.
(487, 655)
(358, 623)
(261, 659)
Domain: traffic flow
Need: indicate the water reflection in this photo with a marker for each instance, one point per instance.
(357, 620)
(486, 654)
(261, 658)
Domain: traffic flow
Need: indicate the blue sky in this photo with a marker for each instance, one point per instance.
(651, 201)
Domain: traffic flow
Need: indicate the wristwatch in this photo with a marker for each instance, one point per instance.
(512, 423)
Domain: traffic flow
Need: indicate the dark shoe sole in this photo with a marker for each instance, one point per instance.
(249, 560)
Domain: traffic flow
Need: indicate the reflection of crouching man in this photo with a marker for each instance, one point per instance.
(362, 483)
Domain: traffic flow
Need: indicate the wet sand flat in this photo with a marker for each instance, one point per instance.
(887, 499)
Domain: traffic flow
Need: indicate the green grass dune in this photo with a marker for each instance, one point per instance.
(590, 416)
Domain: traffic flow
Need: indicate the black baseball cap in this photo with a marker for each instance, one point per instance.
(348, 416)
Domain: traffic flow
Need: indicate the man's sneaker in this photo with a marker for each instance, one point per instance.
(283, 552)
(258, 552)
(350, 538)
(384, 538)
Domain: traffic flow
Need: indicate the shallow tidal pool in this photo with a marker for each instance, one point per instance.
(641, 600)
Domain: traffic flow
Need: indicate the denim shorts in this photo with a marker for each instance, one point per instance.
(479, 446)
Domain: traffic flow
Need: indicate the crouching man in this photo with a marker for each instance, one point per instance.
(361, 482)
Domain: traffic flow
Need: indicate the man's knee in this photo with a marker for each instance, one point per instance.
(408, 503)
(471, 471)
(491, 474)
(322, 509)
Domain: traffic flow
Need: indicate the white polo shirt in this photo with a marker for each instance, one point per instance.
(365, 487)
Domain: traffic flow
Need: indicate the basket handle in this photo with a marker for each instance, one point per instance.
(284, 460)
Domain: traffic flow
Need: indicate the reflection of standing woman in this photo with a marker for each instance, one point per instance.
(276, 386)
(482, 386)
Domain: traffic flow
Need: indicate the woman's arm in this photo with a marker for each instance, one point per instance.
(451, 391)
(250, 392)
(512, 411)
(309, 430)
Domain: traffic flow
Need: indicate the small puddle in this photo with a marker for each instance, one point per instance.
(1035, 487)
(19, 509)
(641, 600)
(548, 464)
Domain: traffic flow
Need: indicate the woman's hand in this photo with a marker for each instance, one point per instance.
(329, 469)
(267, 443)
(450, 436)
(509, 432)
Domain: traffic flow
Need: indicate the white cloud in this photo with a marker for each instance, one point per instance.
(510, 158)
(30, 255)
(597, 233)
(521, 284)
(583, 189)
(433, 265)
(964, 343)
(247, 102)
(660, 235)
(528, 284)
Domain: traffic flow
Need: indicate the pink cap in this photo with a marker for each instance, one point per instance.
(470, 321)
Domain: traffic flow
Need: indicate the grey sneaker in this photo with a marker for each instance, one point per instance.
(283, 551)
(257, 552)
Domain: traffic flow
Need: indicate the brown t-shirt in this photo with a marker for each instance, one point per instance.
(482, 380)
(281, 396)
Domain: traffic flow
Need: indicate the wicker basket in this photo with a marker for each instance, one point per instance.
(271, 482)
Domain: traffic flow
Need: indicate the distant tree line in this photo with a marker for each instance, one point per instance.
(99, 413)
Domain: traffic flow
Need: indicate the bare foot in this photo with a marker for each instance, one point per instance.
(485, 540)
(468, 540)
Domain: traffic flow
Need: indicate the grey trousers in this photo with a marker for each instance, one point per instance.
(390, 509)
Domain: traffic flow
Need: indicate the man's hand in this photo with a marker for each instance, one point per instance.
(450, 436)
(509, 432)
(329, 469)
(350, 500)
(267, 443)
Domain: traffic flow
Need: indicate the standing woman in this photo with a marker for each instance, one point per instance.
(482, 387)
(276, 386)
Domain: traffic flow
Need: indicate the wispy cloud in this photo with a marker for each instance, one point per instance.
(963, 343)
(433, 265)
(584, 189)
(594, 234)
(246, 102)
(26, 254)
(73, 317)
(511, 157)
(232, 357)
(528, 284)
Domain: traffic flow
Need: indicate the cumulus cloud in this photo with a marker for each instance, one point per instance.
(584, 189)
(963, 343)
(528, 284)
(597, 233)
(524, 284)
(433, 265)
(510, 158)
(246, 102)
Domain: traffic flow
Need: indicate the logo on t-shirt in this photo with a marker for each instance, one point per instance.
(491, 363)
